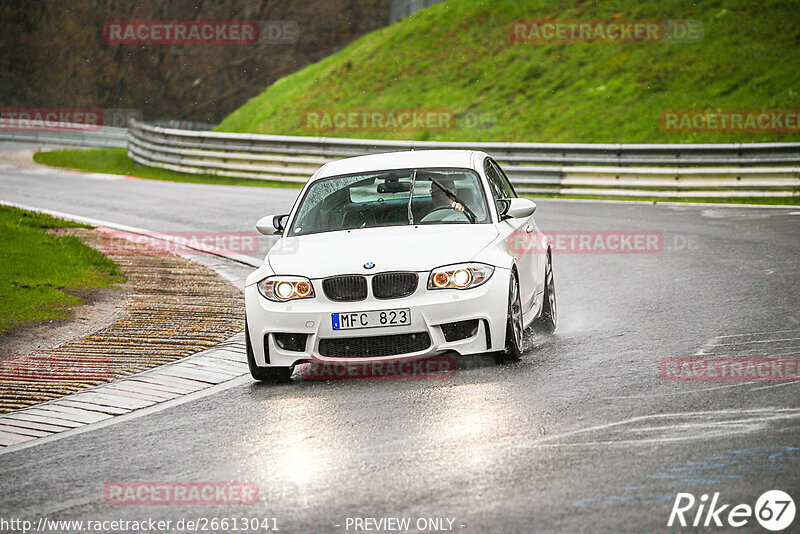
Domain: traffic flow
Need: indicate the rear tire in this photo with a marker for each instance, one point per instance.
(514, 330)
(271, 375)
(547, 320)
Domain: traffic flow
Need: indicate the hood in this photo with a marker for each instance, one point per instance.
(394, 248)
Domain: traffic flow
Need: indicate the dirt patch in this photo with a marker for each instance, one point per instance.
(18, 158)
(101, 307)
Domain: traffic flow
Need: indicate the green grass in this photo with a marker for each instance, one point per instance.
(457, 55)
(116, 161)
(40, 272)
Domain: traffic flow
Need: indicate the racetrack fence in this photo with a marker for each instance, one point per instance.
(627, 170)
(645, 170)
(68, 135)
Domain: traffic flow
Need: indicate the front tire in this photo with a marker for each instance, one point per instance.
(271, 375)
(514, 330)
(547, 320)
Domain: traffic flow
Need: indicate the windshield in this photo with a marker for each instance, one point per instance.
(391, 198)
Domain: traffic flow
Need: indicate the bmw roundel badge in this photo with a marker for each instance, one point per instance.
(369, 265)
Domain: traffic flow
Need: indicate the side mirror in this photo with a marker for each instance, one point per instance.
(503, 204)
(517, 208)
(272, 224)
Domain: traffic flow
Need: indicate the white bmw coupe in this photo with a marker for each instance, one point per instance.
(399, 255)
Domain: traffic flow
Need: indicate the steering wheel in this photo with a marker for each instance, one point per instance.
(368, 217)
(364, 215)
(431, 217)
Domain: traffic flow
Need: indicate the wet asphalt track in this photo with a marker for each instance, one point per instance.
(582, 434)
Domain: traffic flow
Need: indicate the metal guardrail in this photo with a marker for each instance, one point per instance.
(65, 134)
(757, 169)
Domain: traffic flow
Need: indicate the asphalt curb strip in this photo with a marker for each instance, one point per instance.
(198, 373)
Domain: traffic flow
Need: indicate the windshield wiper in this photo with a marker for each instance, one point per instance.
(410, 197)
(452, 196)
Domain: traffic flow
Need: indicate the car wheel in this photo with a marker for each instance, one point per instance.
(546, 322)
(513, 349)
(271, 375)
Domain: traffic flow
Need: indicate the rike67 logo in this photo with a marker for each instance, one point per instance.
(774, 511)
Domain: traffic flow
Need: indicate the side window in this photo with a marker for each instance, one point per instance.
(495, 180)
(508, 189)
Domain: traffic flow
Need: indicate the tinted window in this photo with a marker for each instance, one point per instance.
(505, 183)
(495, 180)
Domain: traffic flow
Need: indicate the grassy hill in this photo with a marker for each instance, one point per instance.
(458, 55)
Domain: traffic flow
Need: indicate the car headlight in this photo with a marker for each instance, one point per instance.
(460, 276)
(285, 288)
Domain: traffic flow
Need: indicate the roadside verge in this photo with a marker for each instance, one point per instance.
(182, 303)
(175, 308)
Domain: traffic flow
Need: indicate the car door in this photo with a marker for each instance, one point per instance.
(519, 233)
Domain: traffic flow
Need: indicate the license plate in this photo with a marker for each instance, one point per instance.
(371, 319)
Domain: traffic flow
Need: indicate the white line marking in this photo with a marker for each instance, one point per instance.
(89, 406)
(787, 383)
(50, 429)
(758, 341)
(75, 414)
(111, 399)
(23, 431)
(761, 415)
(682, 392)
(8, 439)
(758, 333)
(776, 354)
(61, 416)
(752, 352)
(39, 419)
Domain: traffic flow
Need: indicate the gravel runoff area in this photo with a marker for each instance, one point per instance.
(175, 308)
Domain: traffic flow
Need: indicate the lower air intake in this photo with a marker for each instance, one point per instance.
(374, 346)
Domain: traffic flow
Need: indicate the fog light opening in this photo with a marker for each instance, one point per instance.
(460, 330)
(291, 342)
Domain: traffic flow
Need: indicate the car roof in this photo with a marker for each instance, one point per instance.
(401, 160)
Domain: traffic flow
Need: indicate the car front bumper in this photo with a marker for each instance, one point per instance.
(430, 309)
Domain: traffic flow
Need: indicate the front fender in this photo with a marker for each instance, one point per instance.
(498, 253)
(259, 274)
